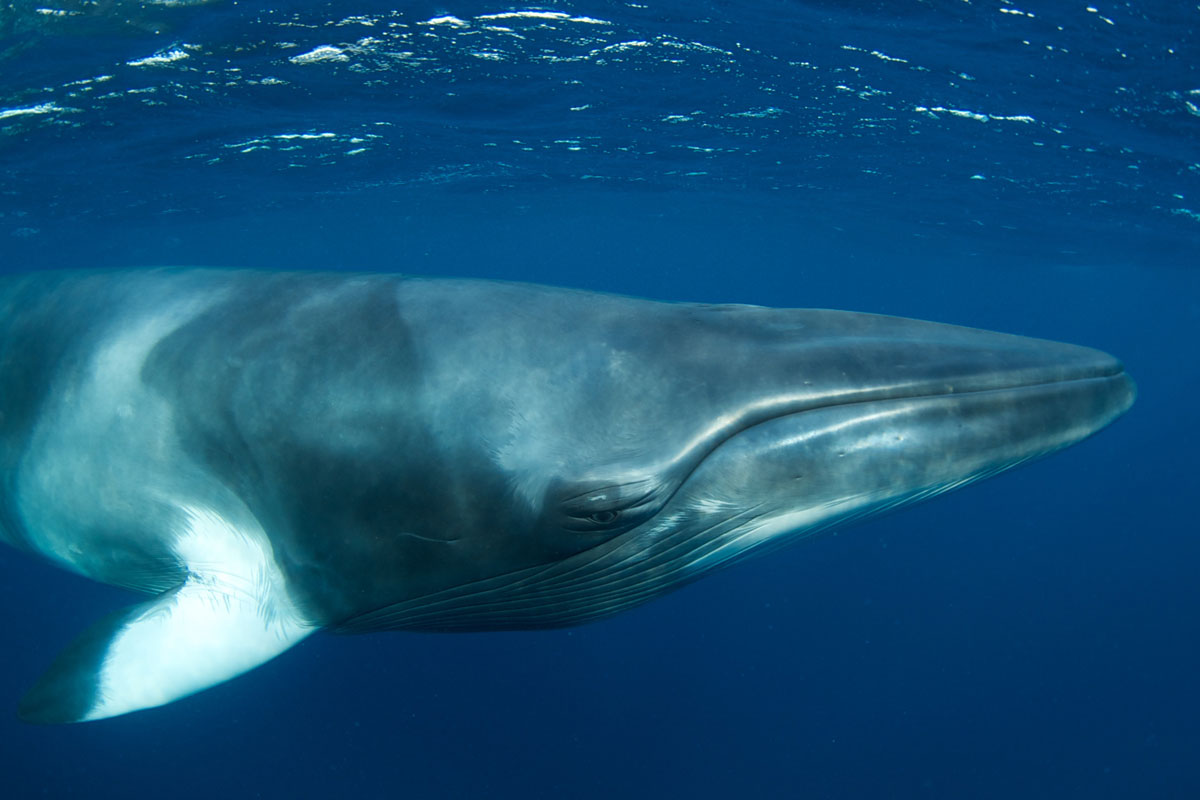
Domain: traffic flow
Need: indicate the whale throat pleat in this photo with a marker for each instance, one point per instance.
(231, 614)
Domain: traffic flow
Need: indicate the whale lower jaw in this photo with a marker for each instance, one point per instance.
(706, 526)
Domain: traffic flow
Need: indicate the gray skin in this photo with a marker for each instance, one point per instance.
(470, 455)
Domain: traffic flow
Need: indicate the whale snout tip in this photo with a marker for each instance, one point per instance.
(1127, 391)
(1120, 389)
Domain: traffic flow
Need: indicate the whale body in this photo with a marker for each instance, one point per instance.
(264, 455)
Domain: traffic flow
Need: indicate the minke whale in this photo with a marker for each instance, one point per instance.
(267, 455)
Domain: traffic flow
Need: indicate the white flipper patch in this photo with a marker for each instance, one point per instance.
(232, 613)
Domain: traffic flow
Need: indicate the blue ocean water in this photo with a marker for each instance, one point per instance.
(1032, 167)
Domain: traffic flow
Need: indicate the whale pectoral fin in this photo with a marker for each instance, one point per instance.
(230, 614)
(185, 640)
(179, 643)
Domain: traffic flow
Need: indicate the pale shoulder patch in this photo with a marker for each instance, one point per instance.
(232, 613)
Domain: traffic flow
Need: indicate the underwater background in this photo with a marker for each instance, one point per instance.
(1031, 167)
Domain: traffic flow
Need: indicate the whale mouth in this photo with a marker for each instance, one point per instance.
(1075, 403)
(1106, 380)
(1083, 370)
(860, 458)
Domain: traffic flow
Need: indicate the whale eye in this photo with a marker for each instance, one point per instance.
(607, 509)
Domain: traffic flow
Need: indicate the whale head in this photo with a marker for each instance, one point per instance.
(619, 449)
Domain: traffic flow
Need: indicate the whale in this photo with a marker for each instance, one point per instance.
(261, 456)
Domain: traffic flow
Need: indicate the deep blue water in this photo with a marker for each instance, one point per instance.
(1032, 167)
